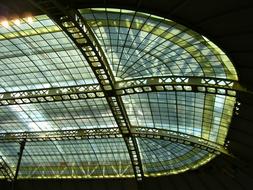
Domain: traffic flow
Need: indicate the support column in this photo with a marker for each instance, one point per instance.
(20, 154)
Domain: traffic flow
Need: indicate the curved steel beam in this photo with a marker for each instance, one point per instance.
(114, 132)
(73, 24)
(179, 83)
(131, 86)
(179, 137)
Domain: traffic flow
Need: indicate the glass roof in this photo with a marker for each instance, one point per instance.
(40, 56)
(71, 158)
(164, 157)
(198, 114)
(139, 44)
(48, 116)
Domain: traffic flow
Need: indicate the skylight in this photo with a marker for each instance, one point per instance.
(125, 94)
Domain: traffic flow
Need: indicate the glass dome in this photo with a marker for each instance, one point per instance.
(123, 94)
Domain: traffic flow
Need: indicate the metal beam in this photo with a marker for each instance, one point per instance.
(87, 170)
(51, 94)
(133, 86)
(179, 137)
(98, 133)
(73, 24)
(20, 154)
(5, 170)
(179, 83)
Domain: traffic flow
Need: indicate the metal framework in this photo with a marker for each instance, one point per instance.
(20, 154)
(143, 85)
(114, 132)
(179, 137)
(76, 28)
(88, 171)
(51, 94)
(73, 24)
(179, 83)
(62, 135)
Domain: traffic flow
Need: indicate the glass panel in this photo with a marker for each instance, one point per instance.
(76, 159)
(40, 55)
(198, 114)
(47, 116)
(165, 157)
(138, 44)
(9, 153)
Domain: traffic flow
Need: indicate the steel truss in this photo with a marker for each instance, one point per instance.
(61, 135)
(143, 85)
(73, 24)
(142, 132)
(51, 94)
(179, 83)
(178, 137)
(87, 169)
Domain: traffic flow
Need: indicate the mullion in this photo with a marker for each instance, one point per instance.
(131, 55)
(171, 104)
(49, 58)
(94, 17)
(151, 110)
(220, 122)
(26, 43)
(150, 42)
(137, 35)
(160, 112)
(69, 112)
(90, 110)
(120, 14)
(179, 55)
(95, 151)
(44, 157)
(107, 20)
(126, 38)
(103, 106)
(150, 150)
(184, 39)
(144, 114)
(6, 81)
(84, 116)
(149, 68)
(56, 144)
(79, 155)
(132, 104)
(135, 110)
(26, 154)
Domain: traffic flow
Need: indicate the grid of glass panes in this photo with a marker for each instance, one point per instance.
(138, 45)
(76, 158)
(9, 152)
(65, 115)
(199, 114)
(160, 156)
(39, 55)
